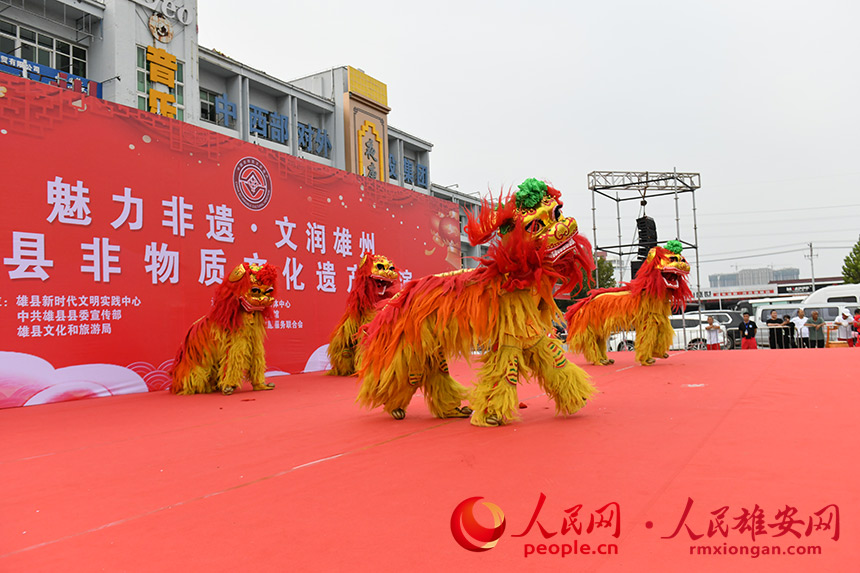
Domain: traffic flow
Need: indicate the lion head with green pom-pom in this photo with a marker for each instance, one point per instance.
(666, 268)
(533, 234)
(536, 208)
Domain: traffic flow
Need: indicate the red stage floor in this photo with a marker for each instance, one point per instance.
(300, 479)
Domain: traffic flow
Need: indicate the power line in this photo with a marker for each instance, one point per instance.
(754, 256)
(766, 211)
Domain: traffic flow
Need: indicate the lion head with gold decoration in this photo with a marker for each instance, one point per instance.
(534, 237)
(249, 287)
(376, 279)
(664, 274)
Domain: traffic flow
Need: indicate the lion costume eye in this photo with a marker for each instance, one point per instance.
(255, 290)
(535, 226)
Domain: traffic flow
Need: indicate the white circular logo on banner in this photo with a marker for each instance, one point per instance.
(252, 183)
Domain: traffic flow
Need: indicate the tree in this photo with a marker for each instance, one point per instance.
(605, 272)
(851, 266)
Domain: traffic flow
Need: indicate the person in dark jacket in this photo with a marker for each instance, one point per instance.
(775, 327)
(788, 333)
(747, 329)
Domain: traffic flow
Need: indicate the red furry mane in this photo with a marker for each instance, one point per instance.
(481, 226)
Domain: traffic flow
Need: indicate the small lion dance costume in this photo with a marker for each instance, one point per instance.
(644, 304)
(504, 306)
(375, 280)
(226, 346)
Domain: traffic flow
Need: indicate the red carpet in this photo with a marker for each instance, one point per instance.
(300, 479)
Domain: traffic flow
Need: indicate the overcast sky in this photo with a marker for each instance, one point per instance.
(759, 97)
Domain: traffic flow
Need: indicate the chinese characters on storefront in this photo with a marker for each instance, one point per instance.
(162, 71)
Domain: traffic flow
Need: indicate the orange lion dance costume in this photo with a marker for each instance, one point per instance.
(644, 305)
(224, 347)
(504, 306)
(375, 280)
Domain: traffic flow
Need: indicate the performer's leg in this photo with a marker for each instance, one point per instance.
(257, 367)
(494, 399)
(398, 400)
(199, 380)
(564, 382)
(591, 344)
(393, 385)
(233, 370)
(342, 361)
(653, 338)
(442, 393)
(602, 346)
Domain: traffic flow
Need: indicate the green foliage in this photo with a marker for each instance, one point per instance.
(530, 194)
(851, 265)
(605, 274)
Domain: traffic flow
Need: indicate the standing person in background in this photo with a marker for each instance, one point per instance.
(844, 322)
(816, 327)
(857, 327)
(802, 331)
(788, 333)
(774, 330)
(713, 334)
(747, 330)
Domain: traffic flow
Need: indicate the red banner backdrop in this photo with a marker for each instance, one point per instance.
(118, 224)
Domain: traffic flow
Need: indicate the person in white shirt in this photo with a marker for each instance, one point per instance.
(843, 327)
(799, 322)
(713, 334)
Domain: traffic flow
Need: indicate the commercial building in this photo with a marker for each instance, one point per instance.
(145, 54)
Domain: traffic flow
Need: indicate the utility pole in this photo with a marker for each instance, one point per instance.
(811, 256)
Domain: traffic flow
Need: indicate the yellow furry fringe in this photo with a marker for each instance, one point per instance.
(567, 385)
(593, 324)
(400, 379)
(410, 353)
(217, 360)
(341, 348)
(494, 400)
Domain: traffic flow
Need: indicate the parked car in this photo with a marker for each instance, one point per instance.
(689, 335)
(729, 319)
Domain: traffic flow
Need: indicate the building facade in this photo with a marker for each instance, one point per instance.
(753, 277)
(145, 54)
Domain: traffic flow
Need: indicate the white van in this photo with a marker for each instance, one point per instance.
(842, 295)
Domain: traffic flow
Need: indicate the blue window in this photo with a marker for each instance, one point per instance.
(408, 171)
(392, 166)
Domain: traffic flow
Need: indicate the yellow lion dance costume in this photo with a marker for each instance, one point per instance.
(224, 347)
(644, 305)
(375, 280)
(504, 307)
